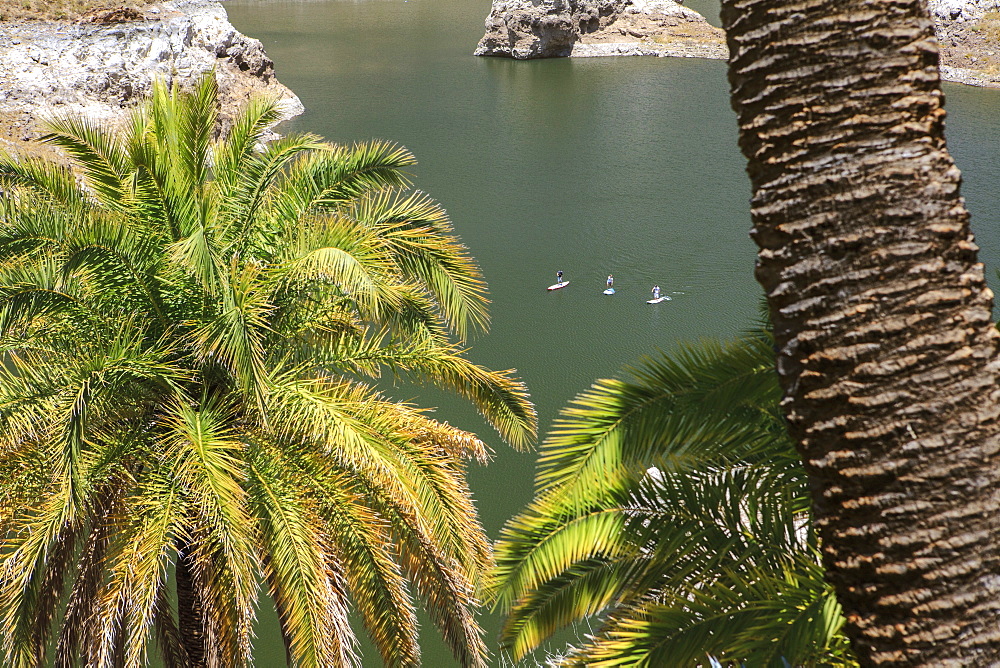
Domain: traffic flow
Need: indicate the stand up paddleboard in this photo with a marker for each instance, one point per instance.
(664, 298)
(609, 291)
(558, 286)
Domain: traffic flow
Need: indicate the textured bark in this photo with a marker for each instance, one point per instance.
(886, 348)
(189, 613)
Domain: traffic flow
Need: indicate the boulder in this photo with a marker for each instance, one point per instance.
(525, 29)
(542, 28)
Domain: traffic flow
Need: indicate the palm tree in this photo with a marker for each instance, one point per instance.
(193, 332)
(887, 353)
(671, 507)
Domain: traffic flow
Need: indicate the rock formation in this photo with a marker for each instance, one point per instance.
(961, 10)
(968, 32)
(549, 28)
(105, 61)
(524, 29)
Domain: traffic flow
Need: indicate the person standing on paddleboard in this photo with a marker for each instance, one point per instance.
(559, 277)
(611, 281)
(656, 292)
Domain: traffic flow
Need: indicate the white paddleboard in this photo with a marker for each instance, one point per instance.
(664, 298)
(557, 286)
(609, 291)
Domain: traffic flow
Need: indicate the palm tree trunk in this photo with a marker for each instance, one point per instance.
(189, 611)
(886, 348)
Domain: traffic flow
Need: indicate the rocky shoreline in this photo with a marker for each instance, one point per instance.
(968, 33)
(104, 62)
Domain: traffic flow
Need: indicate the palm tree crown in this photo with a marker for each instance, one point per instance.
(672, 507)
(193, 330)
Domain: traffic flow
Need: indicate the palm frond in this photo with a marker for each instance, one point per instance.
(672, 508)
(98, 154)
(26, 548)
(253, 179)
(334, 252)
(137, 566)
(76, 638)
(447, 591)
(308, 588)
(703, 405)
(417, 233)
(197, 120)
(208, 463)
(42, 177)
(29, 229)
(31, 294)
(119, 262)
(775, 619)
(235, 337)
(501, 399)
(363, 543)
(321, 181)
(237, 148)
(383, 445)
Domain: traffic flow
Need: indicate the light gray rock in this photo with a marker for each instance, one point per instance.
(95, 68)
(541, 28)
(961, 10)
(524, 29)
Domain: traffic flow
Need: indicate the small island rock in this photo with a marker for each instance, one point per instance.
(525, 29)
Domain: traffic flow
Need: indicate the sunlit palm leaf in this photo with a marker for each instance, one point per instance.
(308, 587)
(376, 580)
(40, 176)
(25, 547)
(703, 405)
(672, 509)
(138, 563)
(186, 335)
(501, 399)
(208, 462)
(256, 177)
(323, 180)
(99, 156)
(418, 234)
(238, 147)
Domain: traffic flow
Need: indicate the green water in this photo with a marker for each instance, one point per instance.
(593, 166)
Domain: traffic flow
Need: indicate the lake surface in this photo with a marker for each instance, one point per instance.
(592, 166)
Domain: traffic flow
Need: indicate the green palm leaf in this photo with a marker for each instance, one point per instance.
(673, 511)
(100, 157)
(307, 586)
(324, 181)
(418, 234)
(41, 177)
(704, 404)
(190, 419)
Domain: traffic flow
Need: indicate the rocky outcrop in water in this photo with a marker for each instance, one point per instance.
(103, 62)
(550, 28)
(525, 29)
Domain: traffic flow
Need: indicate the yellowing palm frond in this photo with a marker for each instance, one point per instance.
(183, 412)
